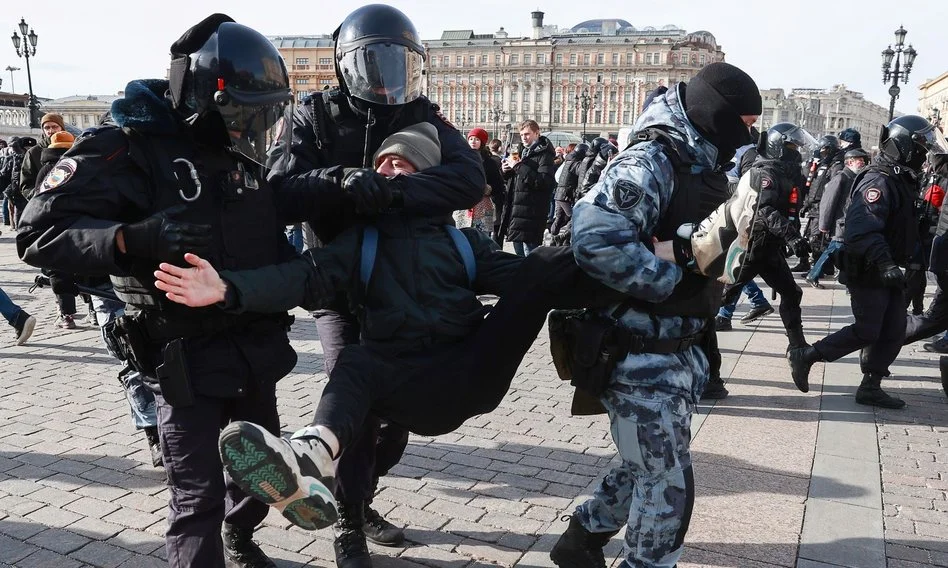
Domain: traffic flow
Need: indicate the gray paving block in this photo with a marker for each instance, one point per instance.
(845, 480)
(854, 440)
(842, 534)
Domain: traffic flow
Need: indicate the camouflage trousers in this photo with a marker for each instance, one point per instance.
(652, 490)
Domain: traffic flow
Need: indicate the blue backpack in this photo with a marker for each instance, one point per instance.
(370, 245)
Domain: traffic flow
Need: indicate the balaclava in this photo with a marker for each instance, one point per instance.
(715, 100)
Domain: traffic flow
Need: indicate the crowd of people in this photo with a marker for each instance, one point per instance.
(180, 220)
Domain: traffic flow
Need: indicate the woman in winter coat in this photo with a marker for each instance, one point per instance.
(482, 216)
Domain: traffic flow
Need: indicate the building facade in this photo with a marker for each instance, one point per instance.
(823, 111)
(81, 111)
(933, 99)
(309, 61)
(593, 76)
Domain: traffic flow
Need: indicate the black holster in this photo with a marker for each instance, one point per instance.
(586, 348)
(126, 337)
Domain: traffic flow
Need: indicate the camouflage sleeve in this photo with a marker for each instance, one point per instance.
(613, 224)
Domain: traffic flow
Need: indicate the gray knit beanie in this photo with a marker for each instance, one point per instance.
(417, 143)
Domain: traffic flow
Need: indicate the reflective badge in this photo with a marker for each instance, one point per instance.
(60, 174)
(872, 195)
(626, 194)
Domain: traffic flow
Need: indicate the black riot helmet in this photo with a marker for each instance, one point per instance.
(580, 150)
(784, 141)
(595, 146)
(907, 140)
(826, 147)
(231, 74)
(379, 58)
(608, 151)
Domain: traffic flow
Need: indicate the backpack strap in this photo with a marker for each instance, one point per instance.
(370, 246)
(467, 252)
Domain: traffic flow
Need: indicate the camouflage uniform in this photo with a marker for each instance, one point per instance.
(652, 396)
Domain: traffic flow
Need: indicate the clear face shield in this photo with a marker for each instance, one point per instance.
(803, 140)
(255, 122)
(383, 73)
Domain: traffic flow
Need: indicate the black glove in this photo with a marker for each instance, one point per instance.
(63, 284)
(800, 247)
(892, 276)
(160, 237)
(681, 244)
(368, 189)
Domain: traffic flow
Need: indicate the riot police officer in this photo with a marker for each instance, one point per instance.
(181, 173)
(776, 175)
(829, 161)
(880, 235)
(323, 177)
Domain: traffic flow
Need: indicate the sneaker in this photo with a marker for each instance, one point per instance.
(66, 322)
(937, 346)
(722, 323)
(24, 324)
(756, 313)
(813, 282)
(296, 476)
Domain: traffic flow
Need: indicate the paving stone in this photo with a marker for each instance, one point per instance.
(101, 554)
(62, 541)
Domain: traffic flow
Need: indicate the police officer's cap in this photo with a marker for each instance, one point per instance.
(856, 153)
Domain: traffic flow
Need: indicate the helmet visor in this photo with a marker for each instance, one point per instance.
(384, 74)
(254, 122)
(935, 140)
(803, 140)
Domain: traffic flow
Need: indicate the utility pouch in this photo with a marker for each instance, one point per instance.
(173, 376)
(585, 348)
(562, 340)
(126, 336)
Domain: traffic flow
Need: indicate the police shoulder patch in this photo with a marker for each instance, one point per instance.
(872, 195)
(60, 174)
(765, 182)
(627, 194)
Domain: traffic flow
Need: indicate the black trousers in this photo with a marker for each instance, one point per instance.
(435, 391)
(378, 446)
(879, 329)
(935, 320)
(201, 495)
(915, 282)
(775, 272)
(564, 212)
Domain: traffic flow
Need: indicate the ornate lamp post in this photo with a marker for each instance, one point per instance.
(583, 103)
(462, 118)
(29, 49)
(11, 69)
(495, 115)
(901, 69)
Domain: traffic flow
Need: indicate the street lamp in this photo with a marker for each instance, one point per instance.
(583, 103)
(495, 115)
(901, 69)
(463, 119)
(11, 69)
(29, 49)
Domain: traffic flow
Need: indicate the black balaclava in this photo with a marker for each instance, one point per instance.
(715, 100)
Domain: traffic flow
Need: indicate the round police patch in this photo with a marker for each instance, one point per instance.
(60, 174)
(627, 194)
(872, 195)
(765, 183)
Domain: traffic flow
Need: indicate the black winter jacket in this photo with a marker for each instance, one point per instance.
(533, 184)
(566, 188)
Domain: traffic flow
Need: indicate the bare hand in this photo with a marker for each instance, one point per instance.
(195, 287)
(664, 250)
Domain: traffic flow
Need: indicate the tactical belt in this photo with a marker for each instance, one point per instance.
(637, 344)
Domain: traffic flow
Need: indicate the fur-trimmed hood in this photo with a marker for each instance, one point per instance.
(145, 108)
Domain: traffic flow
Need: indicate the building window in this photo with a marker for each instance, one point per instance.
(702, 59)
(612, 96)
(302, 60)
(483, 116)
(559, 58)
(484, 60)
(586, 77)
(497, 59)
(527, 59)
(651, 77)
(526, 106)
(585, 59)
(557, 115)
(615, 58)
(515, 59)
(326, 81)
(569, 116)
(648, 58)
(625, 120)
(600, 58)
(302, 81)
(614, 77)
(459, 61)
(627, 96)
(513, 106)
(572, 59)
(612, 117)
(628, 77)
(541, 59)
(325, 61)
(598, 117)
(539, 95)
(572, 76)
(513, 79)
(558, 96)
(470, 60)
(629, 58)
(558, 77)
(445, 61)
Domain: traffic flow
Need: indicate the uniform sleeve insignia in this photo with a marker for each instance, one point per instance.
(627, 194)
(60, 174)
(764, 182)
(872, 195)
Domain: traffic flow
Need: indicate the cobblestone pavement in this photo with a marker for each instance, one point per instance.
(76, 487)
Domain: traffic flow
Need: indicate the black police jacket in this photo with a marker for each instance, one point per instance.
(117, 177)
(569, 180)
(328, 136)
(775, 181)
(824, 173)
(880, 225)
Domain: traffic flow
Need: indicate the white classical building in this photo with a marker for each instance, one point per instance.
(933, 99)
(14, 116)
(824, 111)
(81, 111)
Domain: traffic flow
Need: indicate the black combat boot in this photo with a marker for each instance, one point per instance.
(870, 393)
(380, 531)
(579, 548)
(801, 359)
(714, 390)
(796, 339)
(240, 551)
(349, 544)
(154, 445)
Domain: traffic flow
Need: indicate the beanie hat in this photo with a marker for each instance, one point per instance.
(480, 133)
(53, 117)
(852, 136)
(62, 140)
(715, 100)
(418, 143)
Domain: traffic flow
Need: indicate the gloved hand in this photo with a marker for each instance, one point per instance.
(160, 237)
(681, 243)
(892, 275)
(369, 190)
(63, 284)
(800, 247)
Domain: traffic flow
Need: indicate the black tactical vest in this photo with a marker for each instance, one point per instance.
(234, 199)
(901, 227)
(696, 195)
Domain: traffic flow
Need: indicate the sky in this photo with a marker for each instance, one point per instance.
(97, 46)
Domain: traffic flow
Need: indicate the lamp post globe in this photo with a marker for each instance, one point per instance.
(28, 39)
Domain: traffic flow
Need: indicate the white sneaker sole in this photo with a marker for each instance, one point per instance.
(265, 467)
(28, 328)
